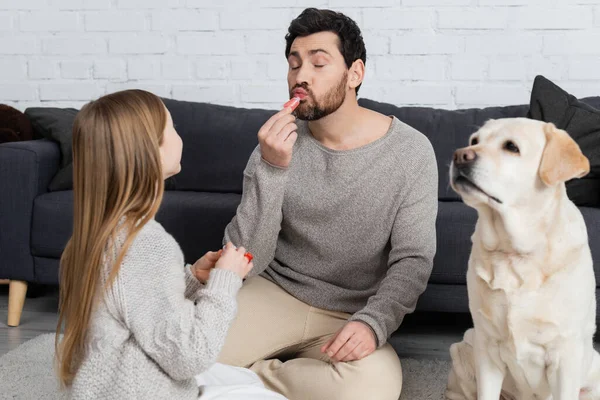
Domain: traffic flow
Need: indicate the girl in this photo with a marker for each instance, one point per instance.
(137, 324)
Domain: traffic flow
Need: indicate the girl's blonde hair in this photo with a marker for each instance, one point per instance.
(117, 172)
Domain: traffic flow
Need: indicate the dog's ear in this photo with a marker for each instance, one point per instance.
(562, 159)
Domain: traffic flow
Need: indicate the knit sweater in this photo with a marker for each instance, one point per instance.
(157, 326)
(350, 231)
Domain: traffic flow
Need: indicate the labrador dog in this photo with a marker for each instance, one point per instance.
(530, 280)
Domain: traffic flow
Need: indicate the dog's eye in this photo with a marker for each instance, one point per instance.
(511, 146)
(474, 141)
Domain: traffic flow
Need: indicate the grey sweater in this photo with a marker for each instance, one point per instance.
(350, 231)
(157, 326)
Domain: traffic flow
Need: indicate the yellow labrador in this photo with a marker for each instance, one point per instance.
(530, 279)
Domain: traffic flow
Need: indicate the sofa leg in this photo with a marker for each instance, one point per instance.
(16, 298)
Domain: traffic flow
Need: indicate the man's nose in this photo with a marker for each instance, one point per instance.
(302, 75)
(464, 156)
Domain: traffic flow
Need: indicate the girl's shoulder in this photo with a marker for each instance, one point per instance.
(154, 242)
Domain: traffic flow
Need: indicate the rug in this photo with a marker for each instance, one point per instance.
(27, 373)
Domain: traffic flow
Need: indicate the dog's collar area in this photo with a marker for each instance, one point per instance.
(462, 179)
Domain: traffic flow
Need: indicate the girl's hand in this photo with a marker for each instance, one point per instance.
(202, 267)
(235, 259)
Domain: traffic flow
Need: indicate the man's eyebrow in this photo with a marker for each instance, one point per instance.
(310, 52)
(315, 51)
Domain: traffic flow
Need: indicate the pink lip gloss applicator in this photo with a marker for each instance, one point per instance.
(292, 103)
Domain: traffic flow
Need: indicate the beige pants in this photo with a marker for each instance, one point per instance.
(279, 338)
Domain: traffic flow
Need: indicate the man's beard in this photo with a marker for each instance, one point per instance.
(319, 109)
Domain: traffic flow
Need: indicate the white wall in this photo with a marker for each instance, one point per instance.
(442, 53)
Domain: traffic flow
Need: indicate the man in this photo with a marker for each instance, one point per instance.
(339, 211)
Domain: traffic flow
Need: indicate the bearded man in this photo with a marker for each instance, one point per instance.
(338, 209)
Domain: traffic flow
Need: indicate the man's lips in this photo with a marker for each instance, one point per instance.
(300, 93)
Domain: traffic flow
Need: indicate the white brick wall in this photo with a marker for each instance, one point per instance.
(441, 53)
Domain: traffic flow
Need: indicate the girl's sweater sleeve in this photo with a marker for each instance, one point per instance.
(182, 335)
(192, 285)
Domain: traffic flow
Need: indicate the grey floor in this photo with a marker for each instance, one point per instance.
(39, 316)
(422, 335)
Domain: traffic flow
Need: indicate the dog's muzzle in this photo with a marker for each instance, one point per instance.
(462, 167)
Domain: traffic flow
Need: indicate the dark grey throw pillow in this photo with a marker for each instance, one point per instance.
(550, 103)
(56, 124)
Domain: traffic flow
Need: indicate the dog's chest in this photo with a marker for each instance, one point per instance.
(510, 273)
(512, 304)
(509, 303)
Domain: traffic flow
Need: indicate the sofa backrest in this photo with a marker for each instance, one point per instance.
(218, 140)
(449, 130)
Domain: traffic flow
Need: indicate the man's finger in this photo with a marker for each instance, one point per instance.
(267, 125)
(275, 123)
(327, 344)
(286, 131)
(355, 354)
(280, 124)
(346, 349)
(337, 344)
(291, 139)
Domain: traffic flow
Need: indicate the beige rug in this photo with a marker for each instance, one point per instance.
(26, 373)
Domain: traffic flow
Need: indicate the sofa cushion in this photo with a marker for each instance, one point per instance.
(455, 225)
(550, 103)
(52, 223)
(197, 220)
(591, 216)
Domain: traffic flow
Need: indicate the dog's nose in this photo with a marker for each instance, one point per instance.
(464, 156)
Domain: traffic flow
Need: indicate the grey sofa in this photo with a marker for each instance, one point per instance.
(35, 223)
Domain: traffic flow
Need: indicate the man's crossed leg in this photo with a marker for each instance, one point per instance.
(280, 338)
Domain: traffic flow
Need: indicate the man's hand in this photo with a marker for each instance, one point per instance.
(277, 137)
(353, 342)
(201, 268)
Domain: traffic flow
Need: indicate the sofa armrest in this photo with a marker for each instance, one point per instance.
(26, 169)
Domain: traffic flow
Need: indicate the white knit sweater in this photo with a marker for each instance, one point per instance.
(157, 326)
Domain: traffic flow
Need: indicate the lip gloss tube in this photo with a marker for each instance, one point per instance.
(292, 103)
